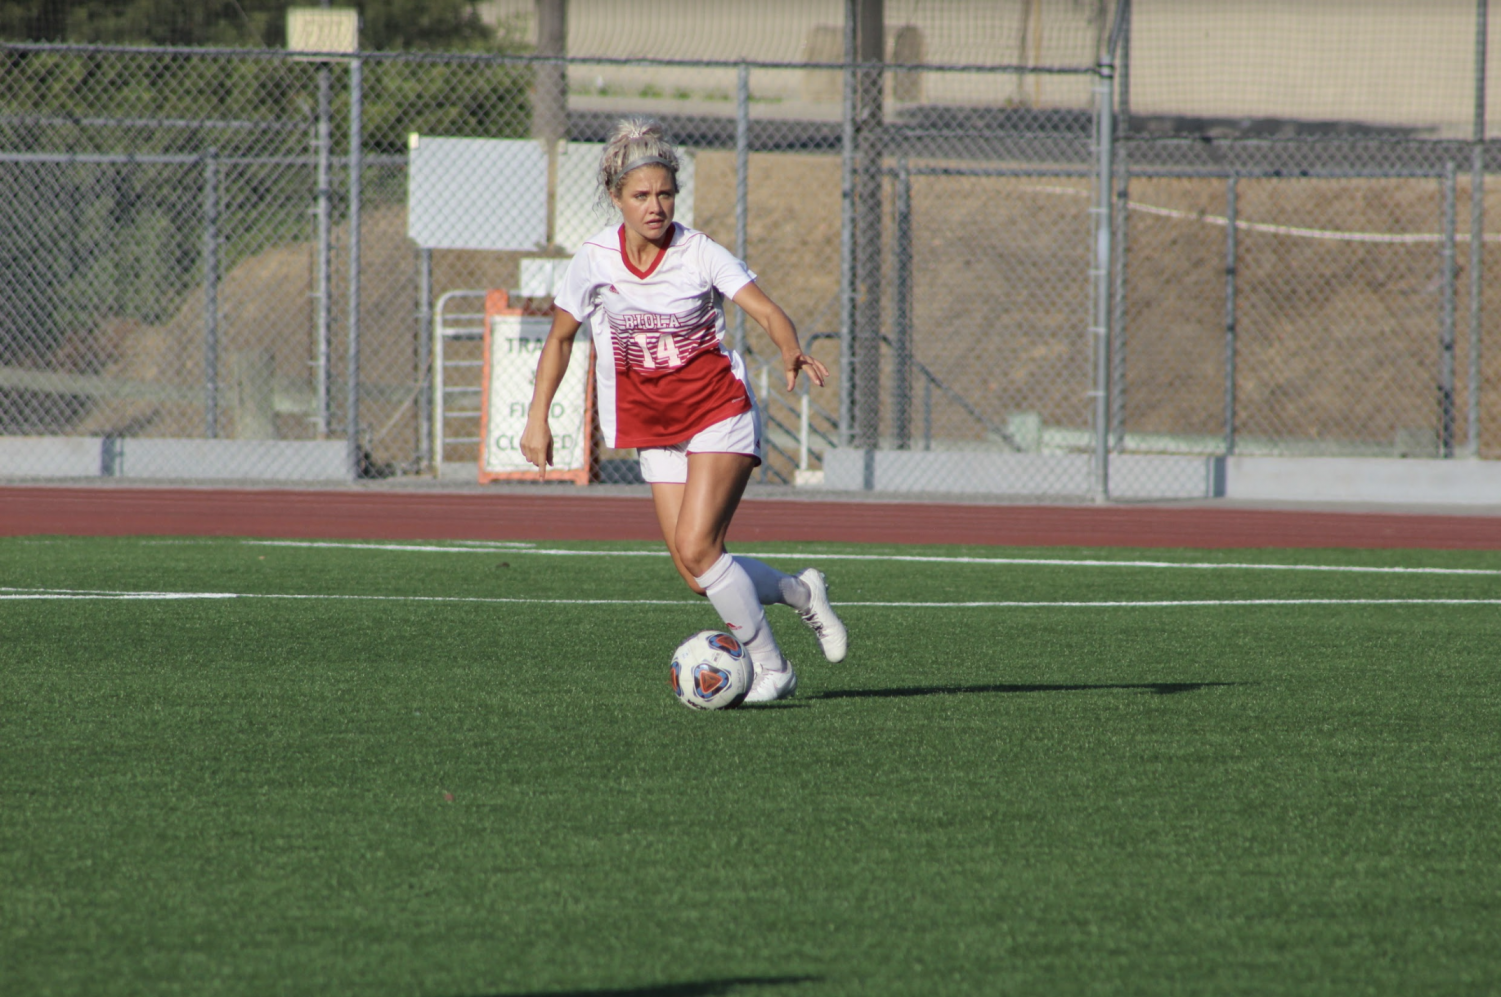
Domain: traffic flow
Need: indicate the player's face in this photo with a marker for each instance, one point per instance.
(646, 201)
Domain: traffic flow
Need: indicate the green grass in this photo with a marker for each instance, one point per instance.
(370, 797)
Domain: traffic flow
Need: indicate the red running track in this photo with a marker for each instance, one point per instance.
(566, 515)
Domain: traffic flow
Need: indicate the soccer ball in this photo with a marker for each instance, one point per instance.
(711, 671)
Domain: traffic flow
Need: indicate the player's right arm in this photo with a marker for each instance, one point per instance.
(536, 439)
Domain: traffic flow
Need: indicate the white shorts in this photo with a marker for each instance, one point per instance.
(737, 434)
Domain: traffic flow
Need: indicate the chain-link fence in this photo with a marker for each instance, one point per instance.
(1294, 202)
(1042, 255)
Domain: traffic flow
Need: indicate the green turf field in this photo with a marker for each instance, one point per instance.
(396, 784)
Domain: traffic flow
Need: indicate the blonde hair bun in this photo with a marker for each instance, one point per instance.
(636, 142)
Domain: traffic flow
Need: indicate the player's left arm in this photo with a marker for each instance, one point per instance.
(769, 316)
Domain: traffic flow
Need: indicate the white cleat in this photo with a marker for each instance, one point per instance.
(769, 686)
(833, 638)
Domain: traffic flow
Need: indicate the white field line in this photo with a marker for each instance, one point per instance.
(1293, 230)
(1180, 602)
(90, 594)
(497, 544)
(908, 559)
(15, 594)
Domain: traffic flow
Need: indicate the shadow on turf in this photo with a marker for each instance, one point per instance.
(1156, 688)
(705, 988)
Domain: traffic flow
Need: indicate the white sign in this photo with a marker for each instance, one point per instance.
(323, 29)
(491, 193)
(476, 193)
(513, 343)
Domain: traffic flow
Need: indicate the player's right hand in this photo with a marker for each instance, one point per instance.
(536, 444)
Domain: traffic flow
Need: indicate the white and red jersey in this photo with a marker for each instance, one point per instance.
(663, 371)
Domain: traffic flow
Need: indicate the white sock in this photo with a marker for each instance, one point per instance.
(773, 587)
(733, 595)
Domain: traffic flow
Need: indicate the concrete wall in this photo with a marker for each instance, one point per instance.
(1133, 476)
(953, 32)
(165, 459)
(1389, 62)
(1162, 477)
(1359, 479)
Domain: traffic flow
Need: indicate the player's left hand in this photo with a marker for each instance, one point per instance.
(794, 362)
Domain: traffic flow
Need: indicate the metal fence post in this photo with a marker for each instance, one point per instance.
(901, 312)
(1122, 230)
(927, 413)
(802, 427)
(356, 165)
(1477, 227)
(1232, 262)
(424, 358)
(323, 259)
(847, 234)
(550, 109)
(742, 182)
(870, 125)
(1446, 361)
(210, 293)
(1100, 274)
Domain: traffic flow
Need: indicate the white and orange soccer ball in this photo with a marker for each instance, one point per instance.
(711, 671)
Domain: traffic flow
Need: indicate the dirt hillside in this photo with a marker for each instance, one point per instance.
(1339, 339)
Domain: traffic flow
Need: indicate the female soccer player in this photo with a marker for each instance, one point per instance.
(654, 291)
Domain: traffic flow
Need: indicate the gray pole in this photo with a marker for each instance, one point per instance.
(550, 114)
(1122, 229)
(742, 182)
(869, 126)
(1100, 273)
(356, 165)
(847, 235)
(1232, 261)
(1477, 227)
(323, 260)
(901, 312)
(424, 357)
(1446, 361)
(210, 294)
(927, 413)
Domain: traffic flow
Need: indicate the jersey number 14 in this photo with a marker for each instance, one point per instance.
(658, 350)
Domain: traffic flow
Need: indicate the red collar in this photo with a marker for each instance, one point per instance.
(625, 258)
